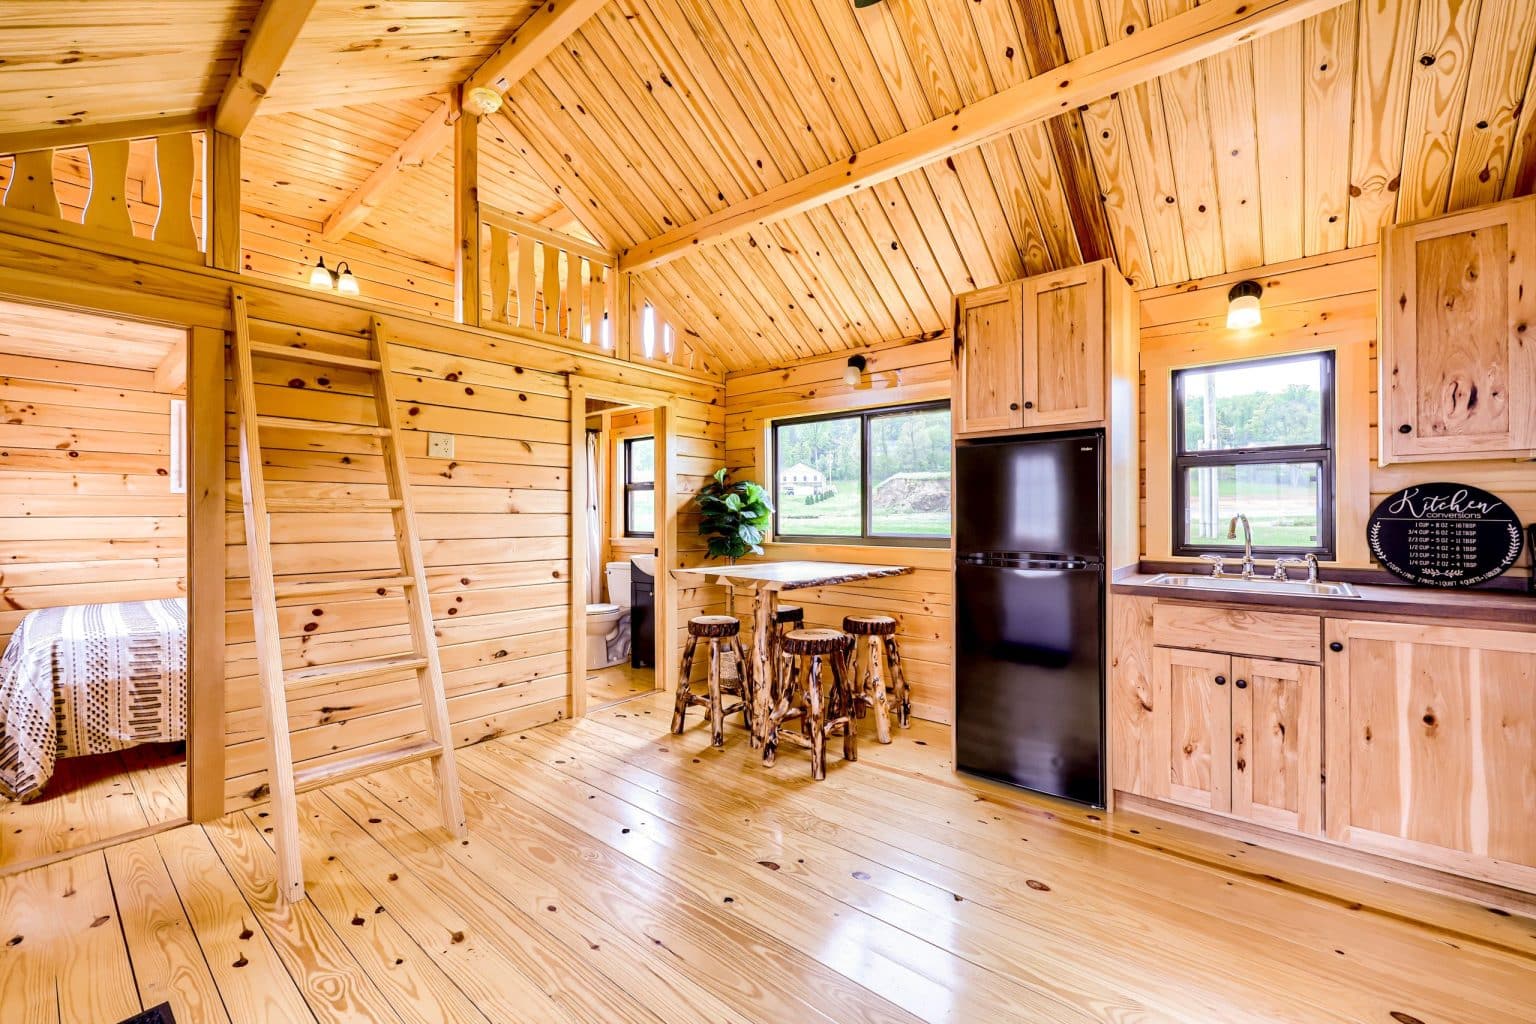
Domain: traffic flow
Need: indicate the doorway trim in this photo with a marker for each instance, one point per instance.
(664, 412)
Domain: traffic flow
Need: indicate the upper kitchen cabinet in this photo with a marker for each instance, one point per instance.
(989, 395)
(1064, 341)
(1458, 342)
(1036, 354)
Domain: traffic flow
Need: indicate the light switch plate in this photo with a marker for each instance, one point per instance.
(439, 446)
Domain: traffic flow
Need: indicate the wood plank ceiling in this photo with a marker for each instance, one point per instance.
(657, 112)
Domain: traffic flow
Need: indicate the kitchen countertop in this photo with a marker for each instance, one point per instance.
(1503, 607)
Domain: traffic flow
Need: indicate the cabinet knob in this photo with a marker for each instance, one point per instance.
(1029, 405)
(1406, 428)
(1013, 406)
(1335, 647)
(1241, 684)
(1221, 680)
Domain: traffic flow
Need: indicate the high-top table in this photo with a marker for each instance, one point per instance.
(767, 580)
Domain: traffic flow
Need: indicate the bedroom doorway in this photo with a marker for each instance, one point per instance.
(94, 694)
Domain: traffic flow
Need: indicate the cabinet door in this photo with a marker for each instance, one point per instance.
(991, 384)
(1277, 744)
(1431, 745)
(1458, 371)
(1064, 341)
(1193, 688)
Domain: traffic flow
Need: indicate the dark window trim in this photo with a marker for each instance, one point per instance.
(864, 537)
(1320, 454)
(631, 485)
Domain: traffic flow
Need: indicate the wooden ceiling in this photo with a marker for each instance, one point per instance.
(656, 113)
(41, 332)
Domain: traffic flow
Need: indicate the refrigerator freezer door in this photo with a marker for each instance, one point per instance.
(1029, 685)
(1033, 496)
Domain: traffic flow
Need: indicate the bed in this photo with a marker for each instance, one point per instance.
(89, 679)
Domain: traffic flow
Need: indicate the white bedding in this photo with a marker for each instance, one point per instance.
(89, 679)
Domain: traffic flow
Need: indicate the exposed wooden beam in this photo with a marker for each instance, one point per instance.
(549, 26)
(106, 131)
(535, 39)
(1178, 42)
(273, 34)
(466, 220)
(1044, 51)
(429, 139)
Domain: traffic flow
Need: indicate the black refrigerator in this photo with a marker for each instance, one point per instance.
(1029, 613)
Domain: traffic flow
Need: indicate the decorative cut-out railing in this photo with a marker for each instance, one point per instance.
(135, 191)
(657, 334)
(543, 281)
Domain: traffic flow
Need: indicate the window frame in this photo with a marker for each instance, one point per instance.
(631, 485)
(1323, 454)
(863, 537)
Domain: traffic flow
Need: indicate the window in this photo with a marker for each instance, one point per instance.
(1257, 438)
(640, 487)
(880, 477)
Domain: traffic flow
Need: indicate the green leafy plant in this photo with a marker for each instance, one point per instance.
(734, 516)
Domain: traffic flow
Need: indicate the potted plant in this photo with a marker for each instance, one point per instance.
(734, 516)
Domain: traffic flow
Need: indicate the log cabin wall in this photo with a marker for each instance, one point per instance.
(87, 514)
(494, 520)
(1321, 302)
(914, 372)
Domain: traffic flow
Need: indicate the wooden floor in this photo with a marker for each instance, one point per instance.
(617, 873)
(91, 799)
(618, 682)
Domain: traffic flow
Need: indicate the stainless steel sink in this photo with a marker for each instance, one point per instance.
(1184, 581)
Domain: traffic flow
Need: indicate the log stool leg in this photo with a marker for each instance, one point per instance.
(680, 709)
(899, 678)
(816, 720)
(875, 690)
(846, 701)
(745, 680)
(716, 698)
(786, 691)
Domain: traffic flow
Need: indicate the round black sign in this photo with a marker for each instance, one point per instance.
(1445, 535)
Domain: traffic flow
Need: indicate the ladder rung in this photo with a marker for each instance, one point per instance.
(333, 504)
(309, 355)
(392, 756)
(322, 426)
(348, 671)
(355, 585)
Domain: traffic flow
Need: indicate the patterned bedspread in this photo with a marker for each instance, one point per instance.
(88, 679)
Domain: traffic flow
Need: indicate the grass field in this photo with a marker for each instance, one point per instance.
(839, 516)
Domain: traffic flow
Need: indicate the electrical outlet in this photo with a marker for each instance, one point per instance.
(439, 446)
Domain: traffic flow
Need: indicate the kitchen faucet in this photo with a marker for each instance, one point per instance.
(1247, 542)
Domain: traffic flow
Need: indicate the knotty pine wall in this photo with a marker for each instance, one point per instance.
(86, 510)
(920, 602)
(494, 521)
(1321, 302)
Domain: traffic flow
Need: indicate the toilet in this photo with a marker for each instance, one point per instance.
(608, 622)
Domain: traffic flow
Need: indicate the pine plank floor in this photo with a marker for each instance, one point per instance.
(96, 798)
(618, 682)
(616, 873)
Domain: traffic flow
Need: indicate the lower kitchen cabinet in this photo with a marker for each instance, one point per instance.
(1432, 745)
(1240, 736)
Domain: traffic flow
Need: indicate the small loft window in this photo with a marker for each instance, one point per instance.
(1255, 437)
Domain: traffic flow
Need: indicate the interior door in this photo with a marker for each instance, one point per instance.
(1063, 327)
(991, 375)
(1192, 688)
(1277, 754)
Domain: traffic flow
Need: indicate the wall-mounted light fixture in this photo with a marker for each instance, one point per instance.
(1243, 305)
(340, 280)
(854, 370)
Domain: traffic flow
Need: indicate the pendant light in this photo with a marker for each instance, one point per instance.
(1243, 305)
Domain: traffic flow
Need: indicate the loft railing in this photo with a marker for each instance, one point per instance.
(543, 281)
(144, 191)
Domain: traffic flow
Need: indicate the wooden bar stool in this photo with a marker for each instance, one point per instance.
(788, 617)
(720, 631)
(818, 714)
(870, 689)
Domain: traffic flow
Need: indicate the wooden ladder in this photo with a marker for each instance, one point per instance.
(286, 783)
